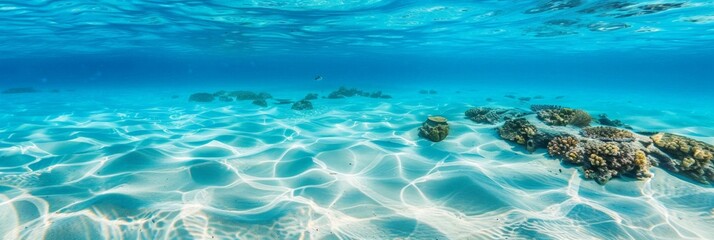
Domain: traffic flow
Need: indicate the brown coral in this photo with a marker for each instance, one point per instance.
(596, 160)
(482, 115)
(561, 116)
(606, 160)
(556, 116)
(693, 158)
(608, 134)
(565, 148)
(492, 115)
(681, 147)
(539, 107)
(581, 119)
(518, 130)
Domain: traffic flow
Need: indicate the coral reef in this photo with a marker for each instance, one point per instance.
(581, 119)
(201, 97)
(605, 160)
(310, 96)
(556, 117)
(604, 133)
(260, 102)
(264, 95)
(19, 90)
(518, 130)
(604, 120)
(435, 128)
(561, 116)
(243, 95)
(302, 105)
(603, 152)
(240, 95)
(225, 98)
(376, 94)
(538, 107)
(492, 115)
(343, 92)
(566, 148)
(692, 158)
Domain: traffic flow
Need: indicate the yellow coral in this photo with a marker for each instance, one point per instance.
(657, 139)
(641, 160)
(529, 131)
(596, 160)
(688, 162)
(684, 148)
(701, 154)
(573, 156)
(610, 149)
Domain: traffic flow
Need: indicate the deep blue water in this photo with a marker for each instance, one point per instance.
(108, 144)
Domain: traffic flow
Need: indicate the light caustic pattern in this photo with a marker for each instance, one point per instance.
(57, 27)
(138, 168)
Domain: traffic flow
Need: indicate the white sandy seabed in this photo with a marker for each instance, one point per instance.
(92, 165)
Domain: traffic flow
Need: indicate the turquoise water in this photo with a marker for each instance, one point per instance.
(99, 137)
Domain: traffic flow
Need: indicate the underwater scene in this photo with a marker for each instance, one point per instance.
(356, 119)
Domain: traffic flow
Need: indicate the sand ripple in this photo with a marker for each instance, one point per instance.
(351, 169)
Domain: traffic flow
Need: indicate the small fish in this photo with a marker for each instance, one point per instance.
(318, 78)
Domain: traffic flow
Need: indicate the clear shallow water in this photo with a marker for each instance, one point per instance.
(110, 147)
(116, 166)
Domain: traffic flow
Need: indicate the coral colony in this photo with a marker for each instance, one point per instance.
(603, 152)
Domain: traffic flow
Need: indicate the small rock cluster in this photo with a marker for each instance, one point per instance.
(19, 90)
(435, 128)
(344, 92)
(224, 96)
(305, 103)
